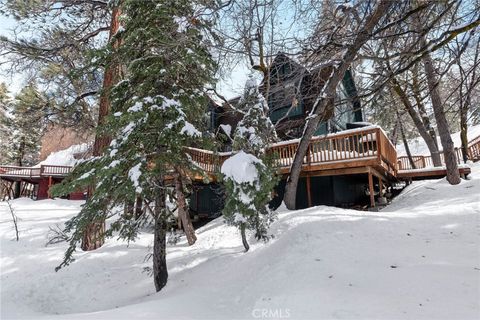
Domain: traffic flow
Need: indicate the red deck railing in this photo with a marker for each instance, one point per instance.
(35, 172)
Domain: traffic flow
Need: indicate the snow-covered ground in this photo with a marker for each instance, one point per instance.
(419, 147)
(419, 258)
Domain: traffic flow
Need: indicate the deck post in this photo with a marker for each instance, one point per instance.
(380, 185)
(370, 189)
(49, 185)
(309, 193)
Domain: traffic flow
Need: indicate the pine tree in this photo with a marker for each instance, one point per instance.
(154, 116)
(4, 122)
(250, 175)
(25, 121)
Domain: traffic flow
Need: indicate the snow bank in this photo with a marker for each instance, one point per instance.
(419, 147)
(416, 259)
(64, 157)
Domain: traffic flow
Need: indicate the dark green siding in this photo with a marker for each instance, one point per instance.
(206, 200)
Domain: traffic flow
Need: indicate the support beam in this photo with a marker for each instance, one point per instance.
(49, 185)
(370, 189)
(42, 192)
(309, 193)
(380, 185)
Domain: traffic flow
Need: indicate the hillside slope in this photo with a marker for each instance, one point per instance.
(417, 259)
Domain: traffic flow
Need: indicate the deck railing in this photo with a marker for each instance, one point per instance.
(360, 144)
(48, 170)
(422, 162)
(363, 144)
(474, 149)
(35, 172)
(208, 161)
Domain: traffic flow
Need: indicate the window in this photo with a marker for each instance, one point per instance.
(279, 113)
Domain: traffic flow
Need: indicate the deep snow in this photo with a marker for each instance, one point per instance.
(419, 258)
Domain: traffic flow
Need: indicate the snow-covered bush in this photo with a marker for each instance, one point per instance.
(250, 174)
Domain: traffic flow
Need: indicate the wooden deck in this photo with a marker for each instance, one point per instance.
(365, 151)
(344, 151)
(423, 165)
(33, 173)
(429, 173)
(35, 181)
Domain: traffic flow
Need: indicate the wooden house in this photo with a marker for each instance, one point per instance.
(348, 162)
(291, 90)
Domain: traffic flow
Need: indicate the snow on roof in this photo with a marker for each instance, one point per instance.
(65, 157)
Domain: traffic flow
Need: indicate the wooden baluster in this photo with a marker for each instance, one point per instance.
(339, 147)
(355, 146)
(349, 148)
(361, 146)
(313, 155)
(328, 147)
(334, 149)
(378, 142)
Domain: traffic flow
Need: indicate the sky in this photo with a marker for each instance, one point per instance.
(229, 87)
(14, 82)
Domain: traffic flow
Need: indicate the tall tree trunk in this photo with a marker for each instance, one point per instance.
(17, 190)
(138, 207)
(464, 133)
(405, 143)
(453, 176)
(417, 120)
(21, 154)
(421, 106)
(93, 236)
(128, 209)
(323, 107)
(394, 135)
(111, 76)
(244, 237)
(160, 272)
(183, 213)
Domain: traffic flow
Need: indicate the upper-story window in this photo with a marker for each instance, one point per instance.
(280, 71)
(280, 113)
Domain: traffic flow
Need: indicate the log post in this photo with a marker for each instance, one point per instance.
(380, 185)
(49, 185)
(309, 193)
(370, 189)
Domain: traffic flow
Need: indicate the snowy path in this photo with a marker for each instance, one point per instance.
(417, 259)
